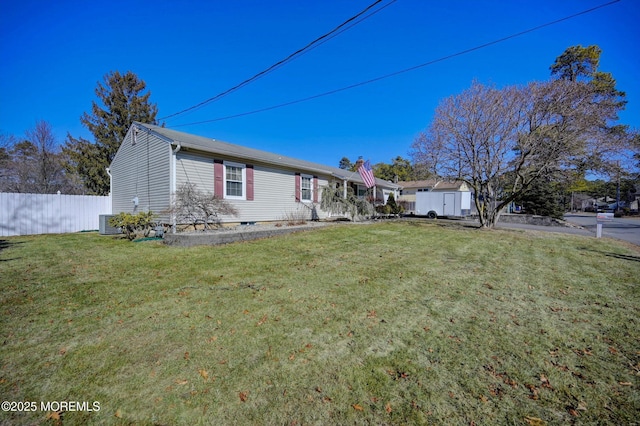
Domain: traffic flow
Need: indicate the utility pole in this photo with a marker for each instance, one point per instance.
(618, 189)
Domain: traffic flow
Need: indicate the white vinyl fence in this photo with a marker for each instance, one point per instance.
(27, 214)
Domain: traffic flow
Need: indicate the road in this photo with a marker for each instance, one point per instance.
(625, 228)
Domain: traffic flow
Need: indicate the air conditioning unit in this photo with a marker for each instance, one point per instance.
(105, 228)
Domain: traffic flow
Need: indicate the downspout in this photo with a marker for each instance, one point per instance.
(110, 180)
(174, 165)
(110, 187)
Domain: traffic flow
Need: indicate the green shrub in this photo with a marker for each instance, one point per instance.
(383, 209)
(394, 208)
(133, 225)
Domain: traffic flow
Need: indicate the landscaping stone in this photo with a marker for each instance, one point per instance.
(236, 234)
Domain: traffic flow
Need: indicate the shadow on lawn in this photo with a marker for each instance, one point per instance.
(444, 223)
(616, 255)
(4, 244)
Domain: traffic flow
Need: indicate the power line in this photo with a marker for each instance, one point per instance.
(315, 43)
(413, 68)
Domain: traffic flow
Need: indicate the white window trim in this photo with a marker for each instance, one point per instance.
(310, 177)
(244, 180)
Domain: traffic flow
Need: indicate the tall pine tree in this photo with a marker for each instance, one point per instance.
(122, 101)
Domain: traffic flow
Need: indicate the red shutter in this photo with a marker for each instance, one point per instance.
(315, 189)
(297, 187)
(249, 173)
(218, 178)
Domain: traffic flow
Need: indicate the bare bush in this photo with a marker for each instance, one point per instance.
(195, 207)
(297, 217)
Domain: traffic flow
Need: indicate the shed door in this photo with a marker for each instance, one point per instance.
(449, 208)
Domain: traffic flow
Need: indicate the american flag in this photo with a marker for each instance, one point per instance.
(366, 173)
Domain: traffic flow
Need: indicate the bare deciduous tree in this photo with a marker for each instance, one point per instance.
(33, 164)
(499, 141)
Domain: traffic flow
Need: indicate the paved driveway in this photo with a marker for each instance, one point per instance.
(625, 228)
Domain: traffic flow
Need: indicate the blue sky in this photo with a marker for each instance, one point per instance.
(54, 53)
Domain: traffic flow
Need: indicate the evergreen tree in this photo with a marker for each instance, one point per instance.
(400, 169)
(122, 101)
(580, 64)
(394, 208)
(542, 198)
(345, 164)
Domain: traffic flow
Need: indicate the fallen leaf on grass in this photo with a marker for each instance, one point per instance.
(533, 390)
(387, 408)
(357, 407)
(534, 421)
(181, 382)
(243, 396)
(545, 382)
(186, 356)
(625, 383)
(118, 413)
(204, 374)
(613, 350)
(54, 415)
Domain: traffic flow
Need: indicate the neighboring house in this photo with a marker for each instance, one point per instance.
(152, 162)
(408, 190)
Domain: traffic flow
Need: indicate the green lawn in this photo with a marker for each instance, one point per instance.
(391, 323)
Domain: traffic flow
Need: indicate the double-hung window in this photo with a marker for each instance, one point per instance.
(235, 181)
(306, 188)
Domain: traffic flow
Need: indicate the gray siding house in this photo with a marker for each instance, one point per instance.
(152, 162)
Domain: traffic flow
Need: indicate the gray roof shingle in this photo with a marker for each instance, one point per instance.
(214, 146)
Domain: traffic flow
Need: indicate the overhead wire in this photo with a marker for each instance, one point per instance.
(344, 26)
(413, 68)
